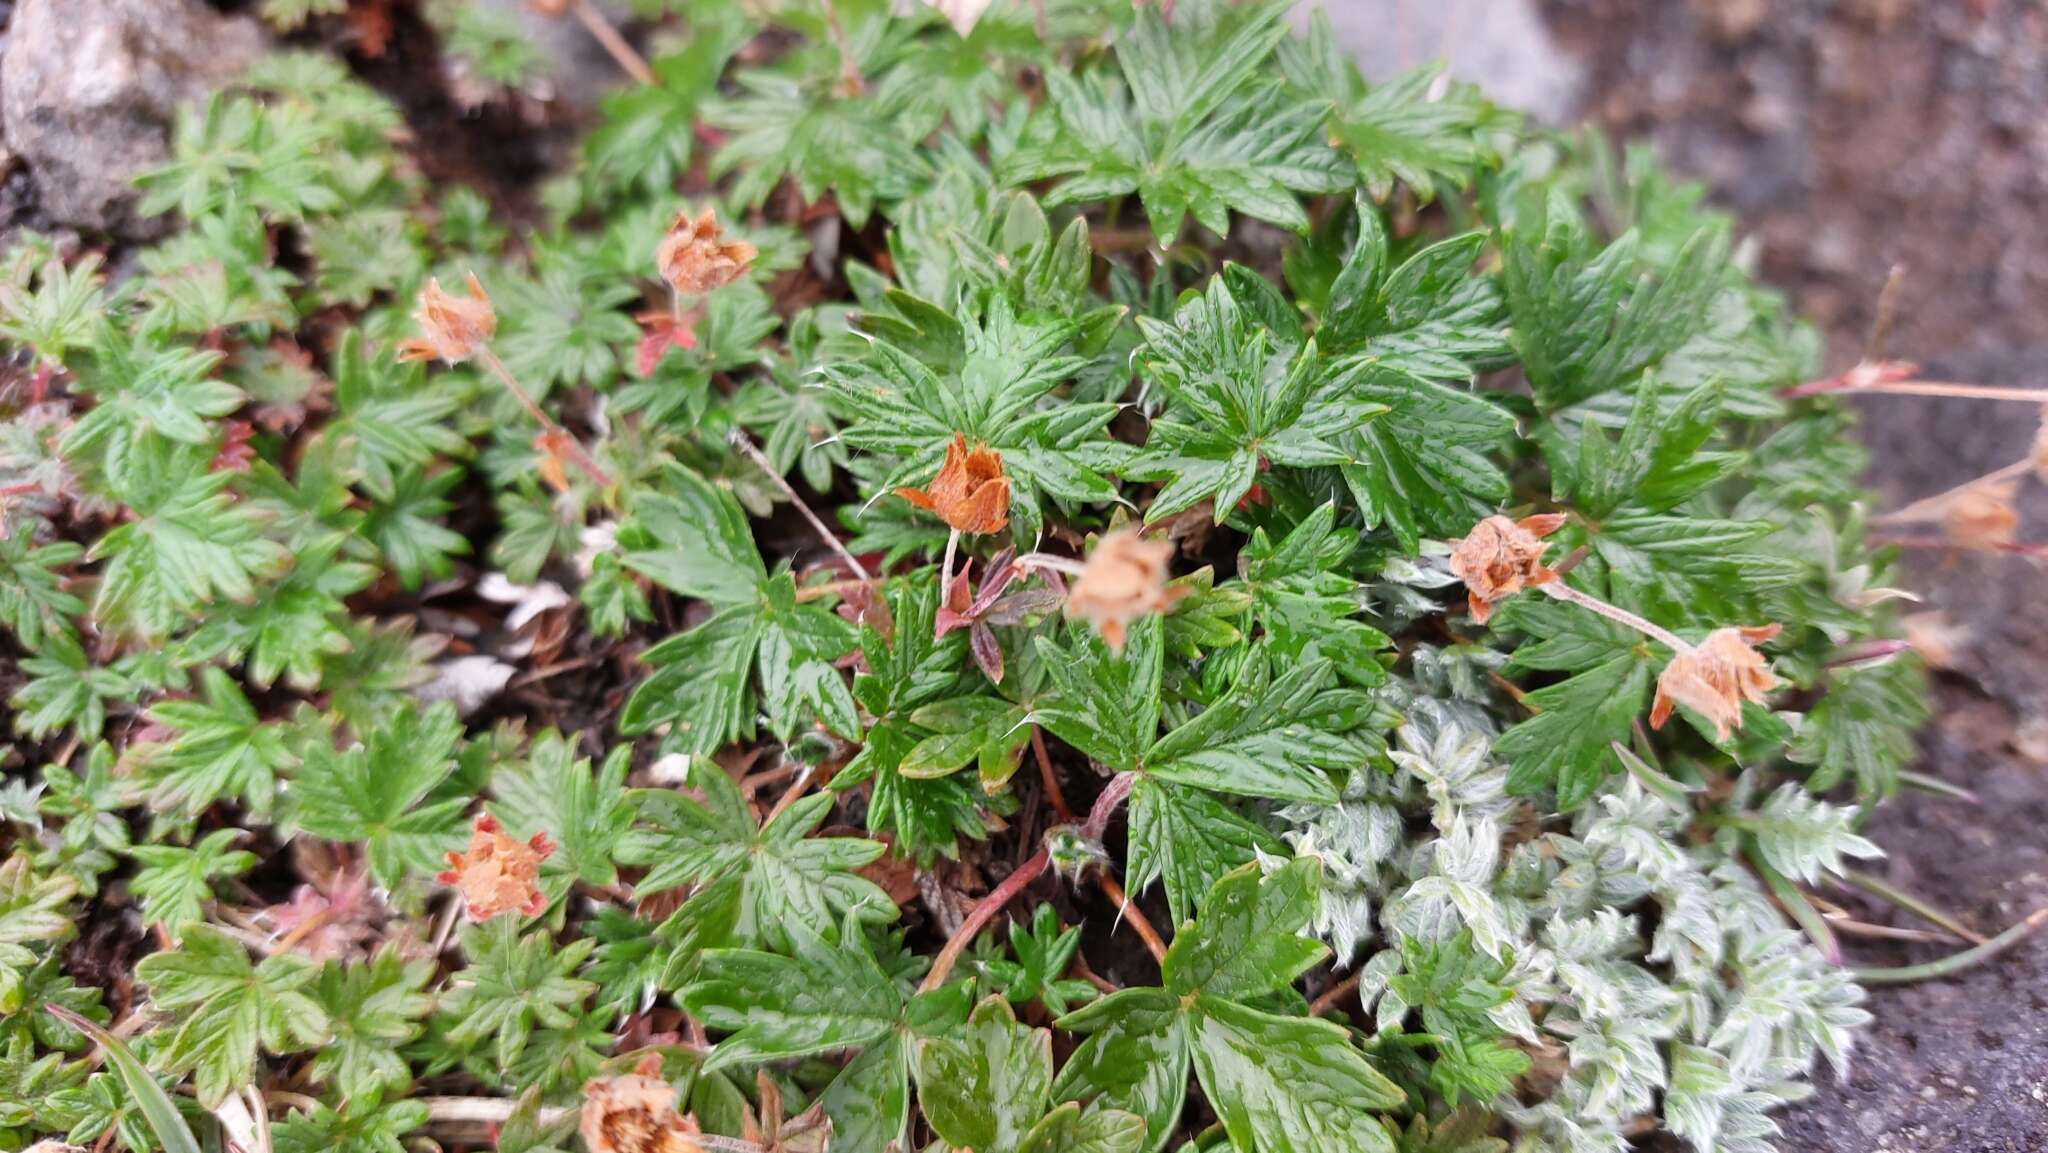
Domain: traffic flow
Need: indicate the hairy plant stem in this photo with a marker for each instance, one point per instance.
(1931, 507)
(1106, 805)
(1656, 632)
(578, 456)
(1918, 906)
(745, 444)
(1956, 963)
(1943, 388)
(982, 914)
(1129, 911)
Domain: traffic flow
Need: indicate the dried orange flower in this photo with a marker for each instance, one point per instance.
(1714, 678)
(971, 494)
(554, 447)
(498, 874)
(1501, 557)
(636, 1113)
(1940, 642)
(1982, 517)
(551, 7)
(1125, 579)
(695, 257)
(452, 328)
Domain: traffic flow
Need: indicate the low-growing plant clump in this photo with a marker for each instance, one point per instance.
(1041, 578)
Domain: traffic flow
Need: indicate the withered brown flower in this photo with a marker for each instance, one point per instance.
(1714, 678)
(695, 256)
(1124, 579)
(970, 494)
(1982, 517)
(554, 447)
(452, 328)
(1501, 557)
(636, 1113)
(498, 874)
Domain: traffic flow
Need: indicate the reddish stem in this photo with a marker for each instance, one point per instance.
(998, 897)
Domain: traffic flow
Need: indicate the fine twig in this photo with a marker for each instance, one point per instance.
(615, 45)
(747, 448)
(1956, 963)
(1918, 906)
(576, 452)
(1921, 782)
(982, 914)
(1656, 632)
(1049, 779)
(1334, 994)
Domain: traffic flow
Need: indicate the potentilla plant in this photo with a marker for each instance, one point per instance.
(1047, 577)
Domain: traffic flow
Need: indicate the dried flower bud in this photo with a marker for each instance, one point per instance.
(1982, 517)
(1501, 557)
(452, 328)
(636, 1113)
(1125, 579)
(551, 7)
(695, 257)
(1939, 641)
(498, 874)
(1716, 677)
(970, 494)
(554, 447)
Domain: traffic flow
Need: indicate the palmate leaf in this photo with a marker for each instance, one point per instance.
(850, 146)
(373, 1007)
(1188, 129)
(1430, 314)
(1420, 129)
(175, 881)
(1801, 836)
(1568, 746)
(227, 1009)
(566, 325)
(1237, 403)
(989, 1090)
(1862, 730)
(66, 689)
(1586, 322)
(824, 998)
(378, 792)
(645, 137)
(514, 986)
(761, 644)
(583, 811)
(1273, 735)
(787, 879)
(999, 394)
(1279, 1084)
(1305, 604)
(220, 747)
(190, 544)
(33, 599)
(910, 669)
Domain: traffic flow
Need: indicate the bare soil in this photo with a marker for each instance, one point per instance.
(1849, 136)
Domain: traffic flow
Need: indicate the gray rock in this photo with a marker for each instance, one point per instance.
(1502, 44)
(89, 90)
(576, 70)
